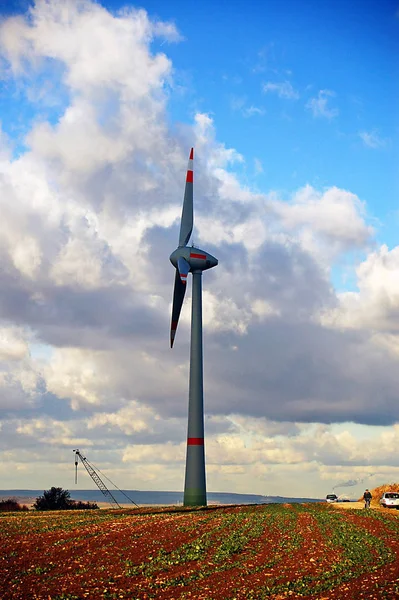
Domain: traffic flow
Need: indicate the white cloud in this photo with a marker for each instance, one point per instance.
(376, 303)
(111, 77)
(130, 419)
(90, 213)
(252, 110)
(21, 380)
(371, 139)
(319, 105)
(13, 345)
(282, 89)
(171, 453)
(112, 55)
(51, 431)
(331, 221)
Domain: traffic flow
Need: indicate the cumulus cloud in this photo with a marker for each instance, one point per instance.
(333, 218)
(13, 345)
(90, 213)
(21, 382)
(376, 303)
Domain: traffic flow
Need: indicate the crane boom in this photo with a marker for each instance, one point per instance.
(96, 478)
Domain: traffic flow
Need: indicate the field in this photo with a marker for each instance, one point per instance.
(269, 551)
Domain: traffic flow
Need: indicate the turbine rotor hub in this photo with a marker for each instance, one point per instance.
(198, 259)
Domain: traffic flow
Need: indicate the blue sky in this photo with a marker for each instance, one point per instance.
(351, 49)
(226, 59)
(305, 93)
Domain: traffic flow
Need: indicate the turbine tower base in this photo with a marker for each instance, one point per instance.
(194, 498)
(195, 482)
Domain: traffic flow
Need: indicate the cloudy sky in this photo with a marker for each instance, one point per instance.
(293, 113)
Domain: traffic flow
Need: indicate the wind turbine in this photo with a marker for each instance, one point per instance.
(192, 260)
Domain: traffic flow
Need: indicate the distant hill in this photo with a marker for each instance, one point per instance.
(158, 498)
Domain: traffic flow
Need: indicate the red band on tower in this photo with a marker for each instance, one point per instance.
(195, 441)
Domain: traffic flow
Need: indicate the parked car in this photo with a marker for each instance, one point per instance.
(390, 500)
(331, 498)
(343, 499)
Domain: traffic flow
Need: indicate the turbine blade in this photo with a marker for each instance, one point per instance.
(187, 217)
(178, 297)
(183, 268)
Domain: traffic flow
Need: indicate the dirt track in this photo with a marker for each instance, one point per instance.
(358, 506)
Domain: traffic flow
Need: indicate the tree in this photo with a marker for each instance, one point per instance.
(59, 499)
(79, 505)
(53, 499)
(11, 505)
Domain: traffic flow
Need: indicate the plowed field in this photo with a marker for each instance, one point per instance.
(252, 552)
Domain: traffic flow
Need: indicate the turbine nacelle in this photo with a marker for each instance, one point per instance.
(195, 258)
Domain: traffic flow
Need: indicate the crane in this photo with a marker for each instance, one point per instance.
(97, 480)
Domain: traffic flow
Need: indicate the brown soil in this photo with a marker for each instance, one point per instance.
(116, 554)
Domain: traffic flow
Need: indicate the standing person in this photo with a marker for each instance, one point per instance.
(367, 499)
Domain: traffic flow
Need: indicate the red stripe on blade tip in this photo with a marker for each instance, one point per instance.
(190, 177)
(192, 154)
(195, 441)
